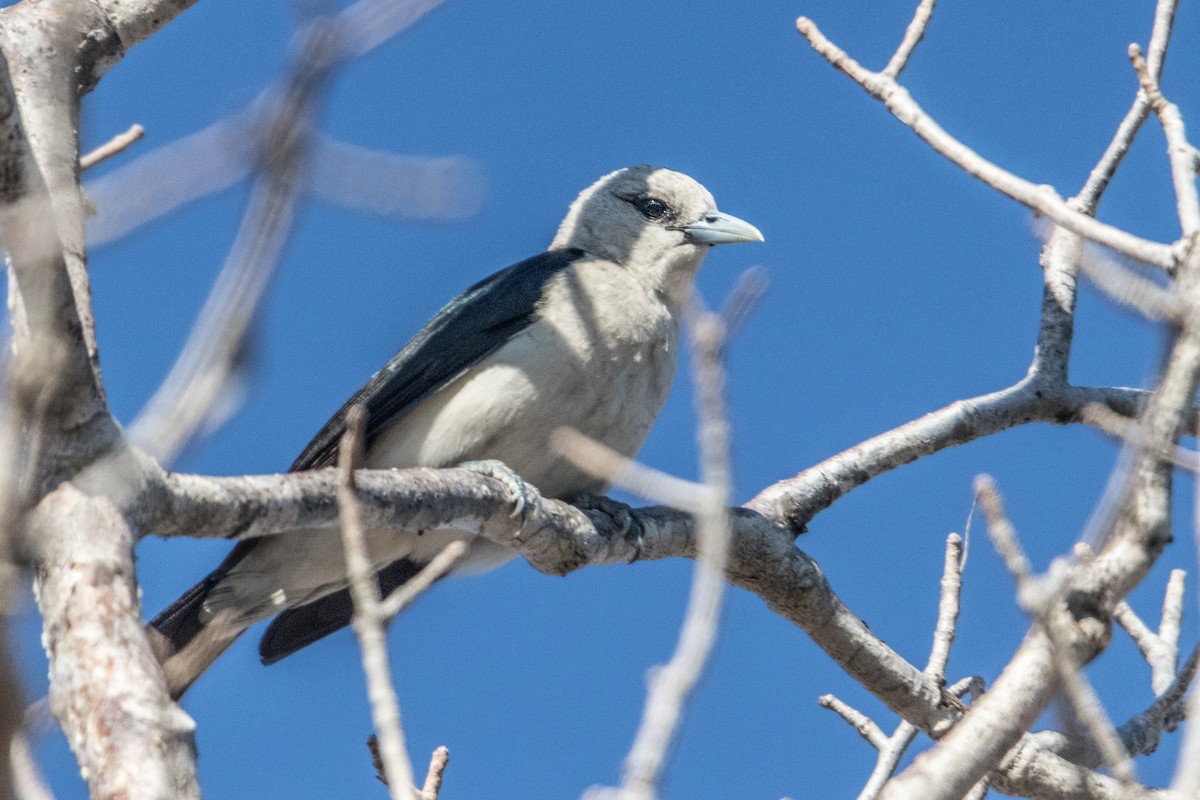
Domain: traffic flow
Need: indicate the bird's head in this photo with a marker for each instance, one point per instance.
(650, 219)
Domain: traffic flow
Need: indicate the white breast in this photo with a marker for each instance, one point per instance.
(599, 357)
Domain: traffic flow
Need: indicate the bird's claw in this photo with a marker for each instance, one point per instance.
(493, 468)
(620, 514)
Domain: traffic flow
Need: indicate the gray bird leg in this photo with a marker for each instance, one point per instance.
(524, 492)
(620, 514)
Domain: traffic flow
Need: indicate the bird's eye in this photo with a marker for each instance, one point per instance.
(651, 207)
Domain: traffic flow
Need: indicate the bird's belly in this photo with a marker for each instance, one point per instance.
(508, 407)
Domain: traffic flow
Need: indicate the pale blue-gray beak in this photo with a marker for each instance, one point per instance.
(716, 227)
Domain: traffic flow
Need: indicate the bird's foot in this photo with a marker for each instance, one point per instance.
(524, 493)
(620, 514)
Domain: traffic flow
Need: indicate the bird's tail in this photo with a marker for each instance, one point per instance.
(186, 643)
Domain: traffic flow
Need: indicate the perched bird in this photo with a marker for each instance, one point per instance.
(583, 335)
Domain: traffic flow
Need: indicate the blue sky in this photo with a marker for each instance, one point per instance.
(898, 284)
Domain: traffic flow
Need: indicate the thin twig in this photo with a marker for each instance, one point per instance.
(433, 778)
(442, 563)
(1161, 648)
(1143, 637)
(118, 144)
(859, 721)
(948, 608)
(1106, 167)
(1179, 151)
(912, 37)
(368, 623)
(887, 760)
(1001, 531)
(598, 459)
(672, 685)
(943, 637)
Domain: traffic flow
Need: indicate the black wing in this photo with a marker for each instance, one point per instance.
(299, 627)
(470, 328)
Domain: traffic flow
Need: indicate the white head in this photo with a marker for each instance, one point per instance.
(653, 220)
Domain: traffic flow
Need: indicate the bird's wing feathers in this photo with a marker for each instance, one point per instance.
(471, 327)
(299, 627)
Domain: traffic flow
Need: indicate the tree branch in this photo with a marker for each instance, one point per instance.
(1041, 199)
(368, 619)
(799, 499)
(105, 685)
(114, 146)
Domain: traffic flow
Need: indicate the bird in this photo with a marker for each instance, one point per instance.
(583, 335)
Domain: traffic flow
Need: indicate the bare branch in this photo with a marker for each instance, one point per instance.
(1140, 734)
(672, 685)
(948, 608)
(1161, 649)
(889, 757)
(912, 38)
(1003, 535)
(1106, 167)
(1140, 529)
(1132, 432)
(1063, 249)
(217, 157)
(1180, 152)
(370, 23)
(173, 175)
(433, 779)
(1041, 199)
(441, 564)
(1087, 705)
(1142, 636)
(135, 21)
(368, 619)
(552, 536)
(130, 740)
(799, 499)
(391, 184)
(1187, 767)
(114, 146)
(859, 721)
(598, 459)
(743, 300)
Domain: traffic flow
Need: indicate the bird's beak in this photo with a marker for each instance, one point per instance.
(718, 228)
